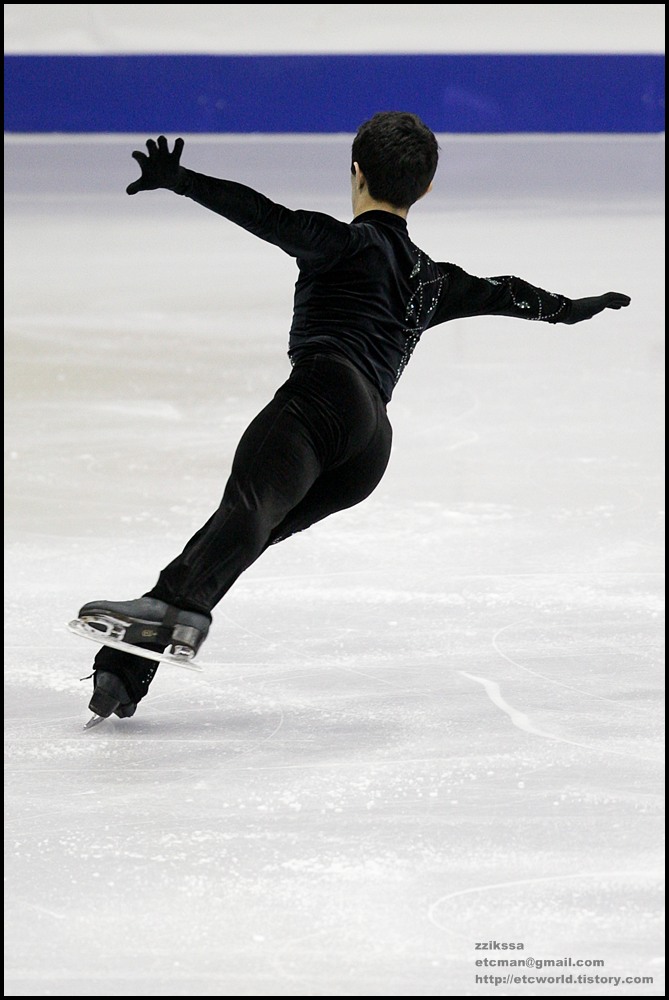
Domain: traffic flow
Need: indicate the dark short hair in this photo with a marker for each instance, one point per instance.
(398, 155)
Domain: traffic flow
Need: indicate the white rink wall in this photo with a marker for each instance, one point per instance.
(293, 28)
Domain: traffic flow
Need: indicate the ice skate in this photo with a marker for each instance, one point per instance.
(146, 620)
(109, 697)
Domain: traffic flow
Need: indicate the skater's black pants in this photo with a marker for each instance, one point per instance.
(321, 445)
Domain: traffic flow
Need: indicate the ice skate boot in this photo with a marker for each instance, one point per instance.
(110, 696)
(148, 621)
(120, 681)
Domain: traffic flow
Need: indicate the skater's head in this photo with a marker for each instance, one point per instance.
(393, 159)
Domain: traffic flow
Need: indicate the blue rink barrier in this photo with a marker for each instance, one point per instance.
(333, 93)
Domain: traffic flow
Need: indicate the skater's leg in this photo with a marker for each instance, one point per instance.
(274, 466)
(276, 463)
(320, 446)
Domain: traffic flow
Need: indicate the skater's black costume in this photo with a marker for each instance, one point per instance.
(364, 295)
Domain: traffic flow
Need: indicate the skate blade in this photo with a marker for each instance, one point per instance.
(86, 631)
(95, 720)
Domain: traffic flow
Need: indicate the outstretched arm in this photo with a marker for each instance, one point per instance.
(312, 236)
(464, 294)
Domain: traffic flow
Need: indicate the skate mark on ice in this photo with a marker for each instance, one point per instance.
(550, 680)
(516, 883)
(522, 721)
(43, 910)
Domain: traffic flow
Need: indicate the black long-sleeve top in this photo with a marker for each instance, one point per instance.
(364, 289)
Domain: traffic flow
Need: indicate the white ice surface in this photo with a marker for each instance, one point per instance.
(430, 721)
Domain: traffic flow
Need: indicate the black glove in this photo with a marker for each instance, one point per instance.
(580, 309)
(160, 169)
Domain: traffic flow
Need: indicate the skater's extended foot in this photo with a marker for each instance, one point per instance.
(111, 696)
(147, 620)
(120, 681)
